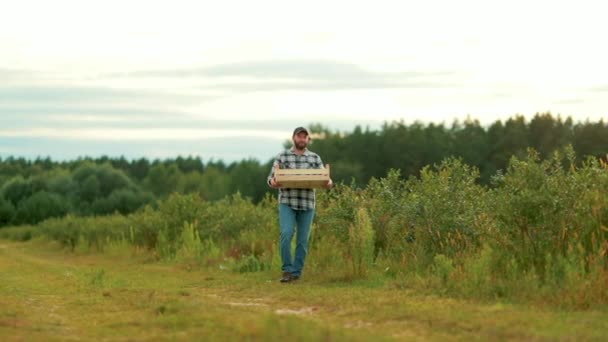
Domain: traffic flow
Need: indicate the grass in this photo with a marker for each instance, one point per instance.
(49, 294)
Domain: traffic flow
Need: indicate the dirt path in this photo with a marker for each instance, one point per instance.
(46, 294)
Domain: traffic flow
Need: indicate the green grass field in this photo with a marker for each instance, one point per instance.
(49, 294)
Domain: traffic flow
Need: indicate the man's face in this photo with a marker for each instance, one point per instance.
(300, 140)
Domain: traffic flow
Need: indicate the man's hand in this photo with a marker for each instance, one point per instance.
(274, 184)
(329, 184)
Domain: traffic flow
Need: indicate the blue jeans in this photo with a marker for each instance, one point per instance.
(288, 219)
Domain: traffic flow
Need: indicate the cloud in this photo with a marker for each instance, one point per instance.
(33, 94)
(570, 101)
(99, 116)
(32, 104)
(73, 118)
(601, 88)
(13, 74)
(137, 134)
(299, 75)
(40, 111)
(31, 107)
(16, 78)
(326, 85)
(305, 70)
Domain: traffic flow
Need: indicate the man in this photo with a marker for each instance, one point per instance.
(296, 206)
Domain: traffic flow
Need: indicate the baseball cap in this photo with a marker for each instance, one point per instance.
(299, 130)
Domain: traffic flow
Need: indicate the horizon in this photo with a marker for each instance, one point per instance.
(212, 159)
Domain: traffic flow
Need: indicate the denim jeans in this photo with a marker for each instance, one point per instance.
(288, 220)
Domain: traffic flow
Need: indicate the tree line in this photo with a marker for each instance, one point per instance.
(33, 190)
(365, 153)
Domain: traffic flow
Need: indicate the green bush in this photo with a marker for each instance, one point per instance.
(545, 208)
(443, 268)
(335, 211)
(40, 206)
(392, 215)
(7, 212)
(16, 190)
(361, 243)
(447, 205)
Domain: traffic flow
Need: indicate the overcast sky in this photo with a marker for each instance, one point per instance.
(231, 79)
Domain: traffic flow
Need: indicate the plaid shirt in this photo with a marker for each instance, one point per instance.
(298, 199)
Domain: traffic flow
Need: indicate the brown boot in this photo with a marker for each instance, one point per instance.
(286, 278)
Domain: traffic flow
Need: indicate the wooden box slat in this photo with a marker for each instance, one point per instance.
(302, 178)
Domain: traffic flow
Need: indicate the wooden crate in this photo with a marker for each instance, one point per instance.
(302, 178)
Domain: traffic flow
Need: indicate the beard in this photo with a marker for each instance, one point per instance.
(300, 145)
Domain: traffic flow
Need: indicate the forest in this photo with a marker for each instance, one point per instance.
(34, 190)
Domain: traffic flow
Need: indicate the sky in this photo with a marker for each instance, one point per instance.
(230, 80)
